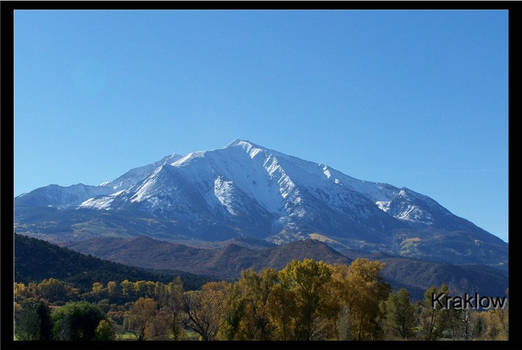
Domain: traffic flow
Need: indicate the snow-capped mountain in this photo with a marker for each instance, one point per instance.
(247, 189)
(60, 197)
(63, 197)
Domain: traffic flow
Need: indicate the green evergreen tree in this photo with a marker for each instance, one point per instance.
(34, 322)
(434, 318)
(400, 314)
(76, 321)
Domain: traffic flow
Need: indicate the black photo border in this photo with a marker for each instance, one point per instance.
(514, 9)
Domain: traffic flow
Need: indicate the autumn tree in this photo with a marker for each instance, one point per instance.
(233, 312)
(497, 324)
(254, 291)
(205, 309)
(282, 308)
(478, 325)
(127, 289)
(114, 291)
(21, 291)
(97, 291)
(104, 331)
(144, 288)
(55, 290)
(171, 300)
(365, 290)
(159, 326)
(307, 282)
(343, 327)
(143, 310)
(340, 290)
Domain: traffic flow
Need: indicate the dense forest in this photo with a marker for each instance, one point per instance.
(305, 300)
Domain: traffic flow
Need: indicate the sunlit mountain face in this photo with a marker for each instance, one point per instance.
(247, 190)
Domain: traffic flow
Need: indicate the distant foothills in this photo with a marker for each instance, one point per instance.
(248, 192)
(65, 295)
(142, 258)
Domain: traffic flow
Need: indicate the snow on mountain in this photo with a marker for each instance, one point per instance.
(81, 195)
(247, 182)
(224, 192)
(135, 175)
(100, 203)
(244, 175)
(60, 197)
(243, 178)
(246, 190)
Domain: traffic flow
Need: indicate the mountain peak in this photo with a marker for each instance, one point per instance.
(171, 157)
(241, 142)
(263, 193)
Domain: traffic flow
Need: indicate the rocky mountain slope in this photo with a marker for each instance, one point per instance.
(248, 190)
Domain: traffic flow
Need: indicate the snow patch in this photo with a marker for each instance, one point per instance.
(414, 214)
(223, 192)
(100, 202)
(383, 205)
(327, 172)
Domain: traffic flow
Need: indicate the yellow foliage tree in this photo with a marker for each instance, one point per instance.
(159, 326)
(364, 291)
(307, 282)
(254, 292)
(143, 310)
(205, 309)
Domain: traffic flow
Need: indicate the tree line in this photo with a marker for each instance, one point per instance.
(306, 300)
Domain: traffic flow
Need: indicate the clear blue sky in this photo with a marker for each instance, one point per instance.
(411, 98)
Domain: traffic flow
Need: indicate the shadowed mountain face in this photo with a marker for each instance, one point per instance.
(246, 190)
(36, 260)
(227, 262)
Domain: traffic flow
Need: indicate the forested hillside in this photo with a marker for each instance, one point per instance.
(228, 262)
(36, 260)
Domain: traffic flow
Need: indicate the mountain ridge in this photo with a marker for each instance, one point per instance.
(227, 262)
(246, 189)
(36, 260)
